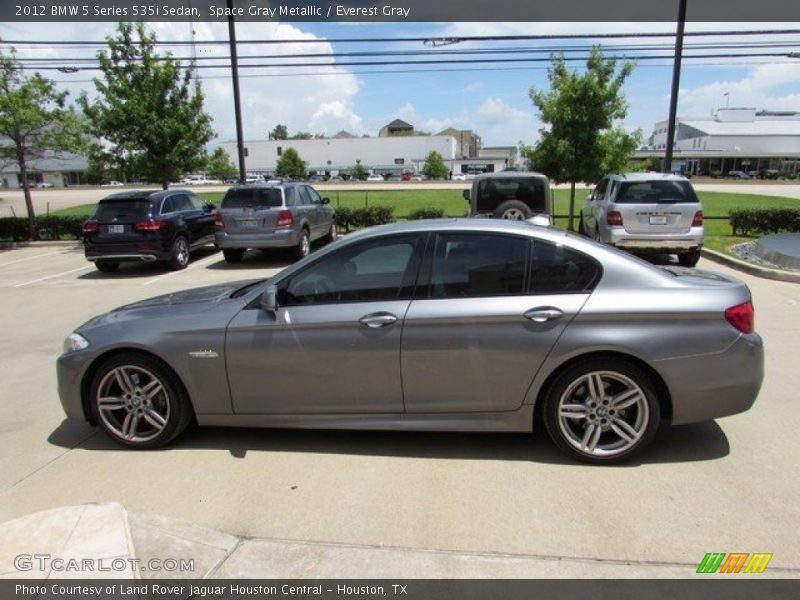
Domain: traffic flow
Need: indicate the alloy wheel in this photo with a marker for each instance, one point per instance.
(514, 214)
(182, 251)
(133, 403)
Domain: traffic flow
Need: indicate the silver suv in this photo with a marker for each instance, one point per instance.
(646, 213)
(287, 215)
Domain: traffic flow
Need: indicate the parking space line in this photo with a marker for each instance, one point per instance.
(46, 277)
(191, 266)
(19, 260)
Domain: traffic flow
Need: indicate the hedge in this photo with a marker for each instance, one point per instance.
(46, 228)
(356, 218)
(746, 221)
(426, 213)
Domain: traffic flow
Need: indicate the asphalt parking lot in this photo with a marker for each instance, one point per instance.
(725, 486)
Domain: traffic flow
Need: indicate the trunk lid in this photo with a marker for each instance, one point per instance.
(657, 206)
(116, 219)
(251, 210)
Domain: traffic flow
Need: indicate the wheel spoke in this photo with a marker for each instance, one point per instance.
(594, 385)
(129, 425)
(110, 403)
(624, 430)
(124, 380)
(574, 411)
(625, 399)
(152, 389)
(155, 419)
(591, 437)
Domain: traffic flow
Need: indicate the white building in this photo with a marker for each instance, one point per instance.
(59, 170)
(732, 139)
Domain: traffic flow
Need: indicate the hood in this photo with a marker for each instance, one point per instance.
(205, 294)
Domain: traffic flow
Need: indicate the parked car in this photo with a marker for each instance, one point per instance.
(738, 175)
(44, 185)
(112, 183)
(200, 180)
(393, 177)
(458, 324)
(147, 226)
(316, 179)
(513, 196)
(375, 177)
(335, 179)
(288, 215)
(251, 179)
(459, 177)
(646, 213)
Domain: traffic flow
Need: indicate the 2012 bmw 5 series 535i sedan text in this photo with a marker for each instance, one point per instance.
(448, 325)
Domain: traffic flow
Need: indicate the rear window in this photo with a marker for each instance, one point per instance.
(252, 198)
(653, 192)
(501, 189)
(119, 209)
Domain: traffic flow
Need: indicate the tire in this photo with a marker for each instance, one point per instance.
(689, 259)
(581, 228)
(130, 415)
(179, 253)
(596, 236)
(233, 255)
(303, 247)
(624, 430)
(513, 210)
(333, 234)
(107, 266)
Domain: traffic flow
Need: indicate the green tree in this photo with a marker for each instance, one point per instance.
(581, 140)
(219, 165)
(302, 135)
(434, 167)
(36, 122)
(360, 173)
(148, 107)
(279, 133)
(291, 165)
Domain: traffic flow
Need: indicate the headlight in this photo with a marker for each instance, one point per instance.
(75, 341)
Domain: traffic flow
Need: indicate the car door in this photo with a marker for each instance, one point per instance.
(333, 344)
(484, 320)
(184, 215)
(204, 220)
(594, 213)
(310, 209)
(324, 213)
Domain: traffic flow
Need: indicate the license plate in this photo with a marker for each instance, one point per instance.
(658, 220)
(248, 224)
(116, 229)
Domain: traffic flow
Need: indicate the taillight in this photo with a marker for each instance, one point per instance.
(219, 222)
(90, 227)
(614, 219)
(698, 219)
(285, 218)
(150, 225)
(742, 316)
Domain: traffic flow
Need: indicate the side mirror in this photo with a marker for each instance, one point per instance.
(208, 207)
(269, 299)
(326, 200)
(466, 195)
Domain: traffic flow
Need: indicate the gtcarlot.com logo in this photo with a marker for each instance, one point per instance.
(735, 562)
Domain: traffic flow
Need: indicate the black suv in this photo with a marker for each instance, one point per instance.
(147, 226)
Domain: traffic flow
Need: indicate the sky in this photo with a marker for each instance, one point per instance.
(492, 101)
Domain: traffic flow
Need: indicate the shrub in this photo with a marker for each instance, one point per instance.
(429, 212)
(764, 220)
(47, 228)
(344, 218)
(370, 216)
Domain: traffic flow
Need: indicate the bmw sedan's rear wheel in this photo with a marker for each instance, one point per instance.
(604, 410)
(179, 255)
(138, 401)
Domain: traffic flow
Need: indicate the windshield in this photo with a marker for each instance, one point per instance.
(252, 198)
(111, 209)
(654, 192)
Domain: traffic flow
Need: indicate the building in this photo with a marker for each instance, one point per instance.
(60, 170)
(384, 154)
(731, 139)
(468, 144)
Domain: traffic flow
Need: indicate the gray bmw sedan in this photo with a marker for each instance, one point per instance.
(446, 325)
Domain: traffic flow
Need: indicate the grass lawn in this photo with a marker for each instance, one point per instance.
(718, 232)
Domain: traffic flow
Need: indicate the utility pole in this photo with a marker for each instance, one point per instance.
(237, 105)
(676, 80)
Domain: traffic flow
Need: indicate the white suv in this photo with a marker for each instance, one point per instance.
(646, 213)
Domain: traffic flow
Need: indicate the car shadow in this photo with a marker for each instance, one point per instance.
(686, 443)
(131, 270)
(256, 259)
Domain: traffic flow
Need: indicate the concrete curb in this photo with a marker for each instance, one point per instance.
(758, 271)
(56, 244)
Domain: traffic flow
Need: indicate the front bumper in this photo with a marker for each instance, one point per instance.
(70, 371)
(715, 385)
(657, 242)
(284, 238)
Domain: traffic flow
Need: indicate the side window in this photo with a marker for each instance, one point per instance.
(290, 193)
(305, 197)
(467, 265)
(600, 190)
(370, 271)
(559, 270)
(196, 202)
(168, 205)
(312, 193)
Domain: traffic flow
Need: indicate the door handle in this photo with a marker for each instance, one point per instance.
(543, 314)
(380, 319)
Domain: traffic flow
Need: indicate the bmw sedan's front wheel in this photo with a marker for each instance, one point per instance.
(138, 401)
(603, 410)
